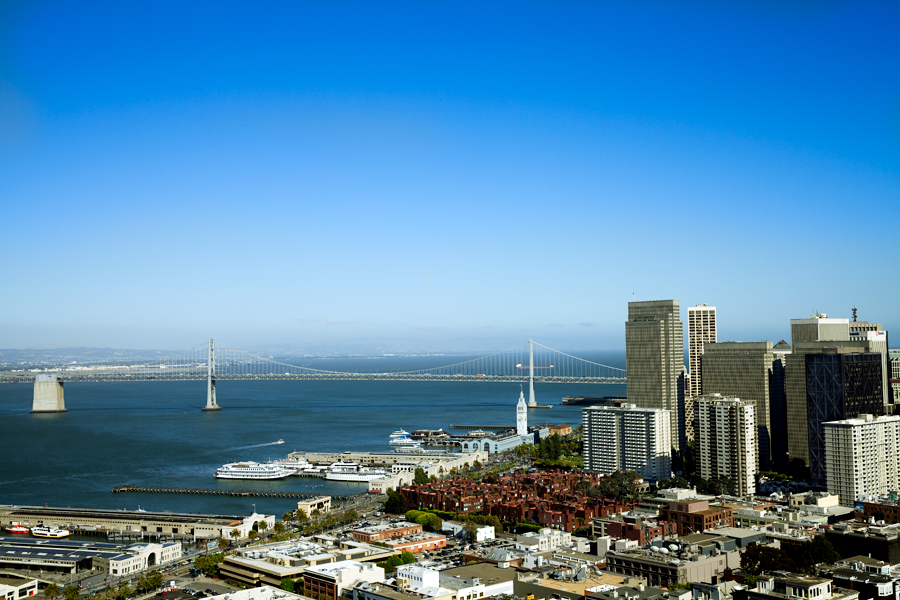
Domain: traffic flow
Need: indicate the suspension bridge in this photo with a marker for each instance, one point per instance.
(528, 362)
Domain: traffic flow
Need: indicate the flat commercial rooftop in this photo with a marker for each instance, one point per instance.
(62, 543)
(124, 515)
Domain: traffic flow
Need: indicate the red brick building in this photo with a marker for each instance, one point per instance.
(419, 543)
(379, 533)
(695, 516)
(550, 499)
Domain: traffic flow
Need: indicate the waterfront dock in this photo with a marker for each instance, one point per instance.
(207, 492)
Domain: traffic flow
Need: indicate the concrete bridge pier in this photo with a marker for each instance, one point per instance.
(48, 394)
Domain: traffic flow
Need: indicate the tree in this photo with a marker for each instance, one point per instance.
(301, 515)
(235, 534)
(52, 591)
(351, 515)
(279, 527)
(420, 477)
(476, 464)
(143, 584)
(316, 513)
(288, 516)
(435, 523)
(287, 584)
(71, 592)
(262, 526)
(395, 504)
(123, 590)
(155, 578)
(252, 535)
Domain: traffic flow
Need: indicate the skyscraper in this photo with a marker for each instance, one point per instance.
(840, 384)
(701, 330)
(654, 359)
(745, 370)
(727, 441)
(626, 438)
(815, 335)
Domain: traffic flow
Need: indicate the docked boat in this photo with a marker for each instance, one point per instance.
(401, 438)
(252, 470)
(294, 465)
(351, 471)
(426, 435)
(16, 528)
(49, 531)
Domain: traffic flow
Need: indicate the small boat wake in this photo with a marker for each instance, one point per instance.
(257, 445)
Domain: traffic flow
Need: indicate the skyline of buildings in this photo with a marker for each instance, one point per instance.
(761, 404)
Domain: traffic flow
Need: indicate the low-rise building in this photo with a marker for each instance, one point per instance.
(695, 516)
(418, 543)
(255, 522)
(68, 556)
(881, 542)
(871, 578)
(632, 527)
(13, 588)
(271, 563)
(390, 531)
(320, 503)
(330, 581)
(544, 540)
(637, 592)
(790, 586)
(665, 567)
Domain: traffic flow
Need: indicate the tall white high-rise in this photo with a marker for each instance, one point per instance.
(521, 415)
(627, 438)
(862, 456)
(701, 330)
(727, 440)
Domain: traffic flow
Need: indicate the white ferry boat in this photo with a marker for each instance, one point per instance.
(294, 465)
(401, 438)
(351, 471)
(252, 470)
(49, 531)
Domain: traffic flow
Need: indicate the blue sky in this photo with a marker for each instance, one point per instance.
(442, 175)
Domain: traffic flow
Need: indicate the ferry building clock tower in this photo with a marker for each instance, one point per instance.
(521, 415)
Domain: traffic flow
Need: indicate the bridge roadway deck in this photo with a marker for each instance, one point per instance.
(67, 377)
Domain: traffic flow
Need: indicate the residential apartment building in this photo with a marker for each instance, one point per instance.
(749, 371)
(727, 440)
(862, 456)
(654, 358)
(627, 438)
(701, 331)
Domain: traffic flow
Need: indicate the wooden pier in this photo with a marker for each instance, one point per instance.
(206, 492)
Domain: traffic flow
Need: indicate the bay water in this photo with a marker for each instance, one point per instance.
(153, 433)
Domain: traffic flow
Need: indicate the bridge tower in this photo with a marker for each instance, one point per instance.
(531, 401)
(211, 378)
(48, 394)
